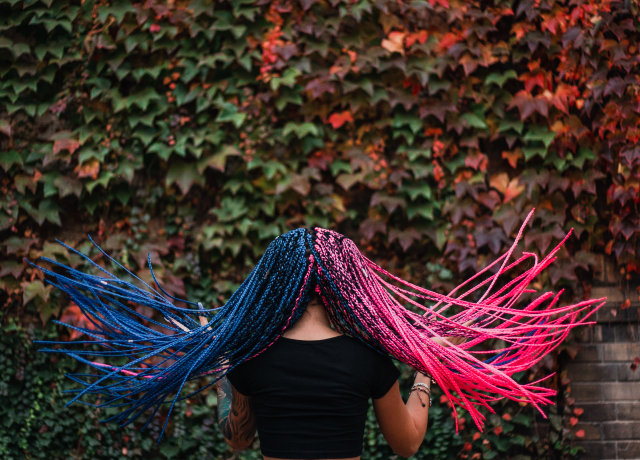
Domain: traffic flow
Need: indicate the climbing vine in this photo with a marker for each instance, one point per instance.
(197, 131)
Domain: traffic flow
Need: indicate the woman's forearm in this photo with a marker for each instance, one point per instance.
(418, 406)
(235, 417)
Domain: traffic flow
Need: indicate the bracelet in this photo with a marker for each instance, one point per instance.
(422, 387)
(417, 386)
(426, 375)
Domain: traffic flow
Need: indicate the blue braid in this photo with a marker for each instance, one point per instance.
(164, 356)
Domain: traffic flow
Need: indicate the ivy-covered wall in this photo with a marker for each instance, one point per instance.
(198, 131)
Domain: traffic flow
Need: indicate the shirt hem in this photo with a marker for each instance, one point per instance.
(311, 454)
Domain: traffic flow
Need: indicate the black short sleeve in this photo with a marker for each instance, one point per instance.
(385, 375)
(239, 380)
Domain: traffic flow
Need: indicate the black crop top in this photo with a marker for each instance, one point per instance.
(311, 397)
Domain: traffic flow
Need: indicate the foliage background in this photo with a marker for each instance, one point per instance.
(198, 131)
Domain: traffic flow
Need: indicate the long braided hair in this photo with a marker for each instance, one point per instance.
(362, 300)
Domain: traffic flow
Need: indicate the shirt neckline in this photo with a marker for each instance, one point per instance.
(287, 339)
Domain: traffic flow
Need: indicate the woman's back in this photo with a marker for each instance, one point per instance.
(310, 397)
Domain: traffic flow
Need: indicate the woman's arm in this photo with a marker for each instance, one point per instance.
(235, 416)
(403, 425)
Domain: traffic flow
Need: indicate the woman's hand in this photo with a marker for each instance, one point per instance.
(453, 340)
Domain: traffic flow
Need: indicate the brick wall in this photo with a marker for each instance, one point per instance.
(605, 381)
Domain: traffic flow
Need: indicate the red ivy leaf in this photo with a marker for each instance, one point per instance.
(477, 161)
(420, 36)
(370, 227)
(528, 104)
(339, 119)
(448, 40)
(531, 81)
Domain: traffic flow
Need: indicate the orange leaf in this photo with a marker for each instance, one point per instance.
(74, 316)
(65, 144)
(509, 188)
(506, 417)
(497, 430)
(626, 304)
(89, 168)
(580, 433)
(578, 411)
(608, 247)
(513, 190)
(394, 43)
(476, 436)
(339, 119)
(499, 181)
(432, 132)
(512, 157)
(573, 421)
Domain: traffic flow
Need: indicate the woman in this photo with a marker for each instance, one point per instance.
(309, 396)
(360, 299)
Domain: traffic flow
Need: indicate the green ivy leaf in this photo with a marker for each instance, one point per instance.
(35, 289)
(540, 133)
(10, 158)
(510, 125)
(407, 119)
(218, 160)
(230, 113)
(584, 154)
(500, 78)
(416, 190)
(300, 129)
(474, 120)
(103, 180)
(347, 180)
(232, 208)
(531, 151)
(185, 175)
(144, 97)
(288, 78)
(47, 210)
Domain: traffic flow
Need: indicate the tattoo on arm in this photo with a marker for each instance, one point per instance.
(235, 415)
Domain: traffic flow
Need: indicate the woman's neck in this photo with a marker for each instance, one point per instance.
(313, 325)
